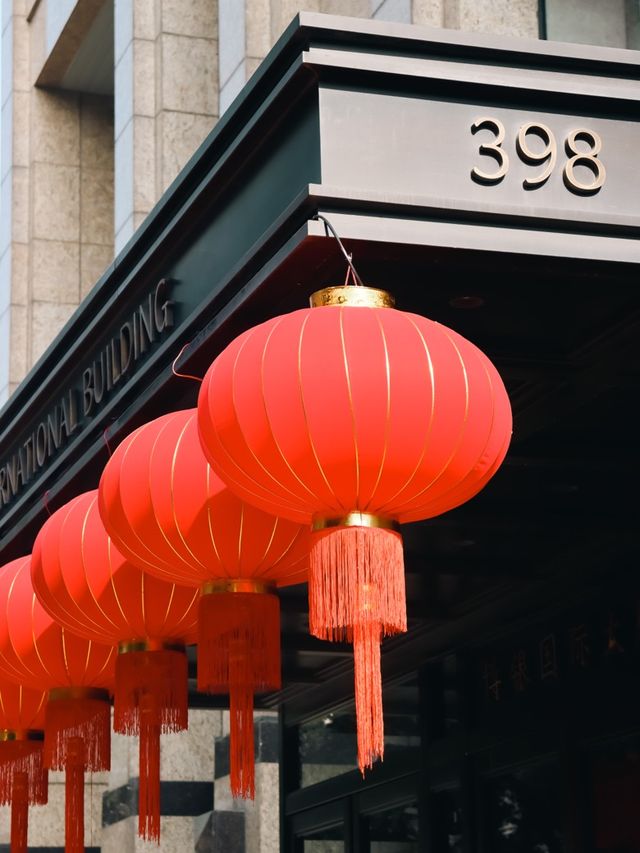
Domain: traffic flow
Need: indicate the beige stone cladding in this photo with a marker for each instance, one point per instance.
(166, 98)
(187, 772)
(57, 195)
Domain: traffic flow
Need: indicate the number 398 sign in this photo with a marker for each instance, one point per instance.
(547, 157)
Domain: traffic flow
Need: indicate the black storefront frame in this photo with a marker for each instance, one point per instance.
(469, 757)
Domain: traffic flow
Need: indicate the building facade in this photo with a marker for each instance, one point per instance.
(103, 107)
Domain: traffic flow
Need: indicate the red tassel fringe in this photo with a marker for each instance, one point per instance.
(84, 718)
(160, 673)
(239, 653)
(357, 594)
(151, 698)
(74, 795)
(20, 812)
(23, 756)
(241, 743)
(77, 738)
(149, 758)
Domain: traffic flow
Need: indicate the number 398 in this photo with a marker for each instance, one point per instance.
(548, 155)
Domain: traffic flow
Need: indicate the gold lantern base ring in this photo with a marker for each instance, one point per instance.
(356, 519)
(20, 734)
(353, 295)
(59, 693)
(149, 646)
(237, 585)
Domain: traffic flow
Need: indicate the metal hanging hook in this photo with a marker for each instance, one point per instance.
(328, 227)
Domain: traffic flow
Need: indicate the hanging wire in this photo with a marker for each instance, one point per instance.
(328, 227)
(105, 438)
(183, 375)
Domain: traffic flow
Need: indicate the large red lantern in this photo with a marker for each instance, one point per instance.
(169, 513)
(23, 778)
(36, 652)
(87, 586)
(354, 417)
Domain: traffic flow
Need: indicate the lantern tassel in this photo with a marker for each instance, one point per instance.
(241, 742)
(161, 673)
(151, 698)
(74, 717)
(19, 812)
(357, 594)
(239, 653)
(77, 738)
(23, 756)
(368, 690)
(74, 796)
(149, 761)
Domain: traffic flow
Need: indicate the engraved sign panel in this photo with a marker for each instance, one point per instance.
(454, 155)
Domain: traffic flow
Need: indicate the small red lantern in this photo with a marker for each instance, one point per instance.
(87, 586)
(354, 417)
(36, 652)
(167, 511)
(23, 779)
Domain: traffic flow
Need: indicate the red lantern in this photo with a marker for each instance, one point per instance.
(354, 417)
(37, 652)
(87, 586)
(169, 513)
(23, 779)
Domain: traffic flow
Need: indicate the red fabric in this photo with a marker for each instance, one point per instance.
(19, 812)
(240, 654)
(328, 410)
(85, 583)
(35, 650)
(167, 512)
(20, 708)
(23, 779)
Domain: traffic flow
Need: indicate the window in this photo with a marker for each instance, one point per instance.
(524, 810)
(327, 745)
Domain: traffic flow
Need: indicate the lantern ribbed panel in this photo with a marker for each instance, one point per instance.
(35, 650)
(329, 413)
(329, 410)
(167, 512)
(85, 583)
(39, 653)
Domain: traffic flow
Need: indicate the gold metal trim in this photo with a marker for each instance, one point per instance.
(20, 734)
(149, 646)
(356, 519)
(78, 693)
(354, 295)
(237, 585)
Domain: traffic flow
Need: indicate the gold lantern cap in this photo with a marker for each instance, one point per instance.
(357, 296)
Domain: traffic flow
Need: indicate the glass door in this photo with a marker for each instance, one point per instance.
(321, 830)
(392, 830)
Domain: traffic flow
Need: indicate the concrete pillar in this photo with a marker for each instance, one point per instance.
(166, 98)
